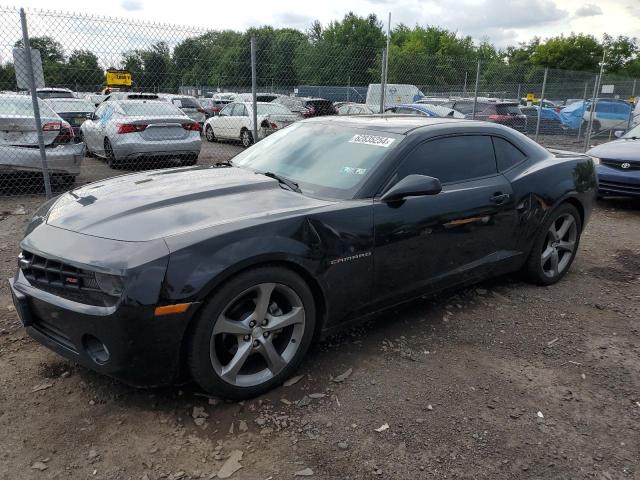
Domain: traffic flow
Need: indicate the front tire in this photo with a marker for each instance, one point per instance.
(252, 333)
(555, 246)
(209, 135)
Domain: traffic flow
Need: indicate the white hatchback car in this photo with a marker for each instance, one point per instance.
(235, 121)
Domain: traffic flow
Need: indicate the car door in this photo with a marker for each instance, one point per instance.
(458, 235)
(90, 128)
(220, 123)
(235, 120)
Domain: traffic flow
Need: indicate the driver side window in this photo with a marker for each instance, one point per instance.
(451, 159)
(226, 111)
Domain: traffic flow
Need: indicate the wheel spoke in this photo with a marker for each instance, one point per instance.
(230, 370)
(568, 246)
(275, 362)
(263, 300)
(546, 255)
(567, 222)
(555, 259)
(553, 231)
(232, 327)
(296, 315)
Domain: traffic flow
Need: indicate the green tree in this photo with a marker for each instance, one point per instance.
(82, 71)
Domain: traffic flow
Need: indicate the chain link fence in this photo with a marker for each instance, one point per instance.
(117, 96)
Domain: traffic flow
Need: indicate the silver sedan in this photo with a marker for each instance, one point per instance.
(128, 130)
(19, 140)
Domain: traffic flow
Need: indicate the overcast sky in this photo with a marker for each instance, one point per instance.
(504, 22)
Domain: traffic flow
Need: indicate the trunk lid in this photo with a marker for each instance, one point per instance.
(21, 130)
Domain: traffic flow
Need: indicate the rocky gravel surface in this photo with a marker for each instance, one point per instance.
(504, 380)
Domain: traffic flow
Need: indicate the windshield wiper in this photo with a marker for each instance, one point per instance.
(290, 184)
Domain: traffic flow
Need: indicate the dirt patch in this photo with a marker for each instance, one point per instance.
(502, 380)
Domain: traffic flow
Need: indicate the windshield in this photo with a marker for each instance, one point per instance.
(273, 109)
(62, 105)
(326, 161)
(150, 108)
(22, 107)
(185, 102)
(633, 133)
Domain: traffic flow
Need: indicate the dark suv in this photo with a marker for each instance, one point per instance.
(307, 106)
(504, 113)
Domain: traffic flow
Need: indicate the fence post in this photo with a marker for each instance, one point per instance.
(633, 94)
(594, 102)
(544, 87)
(475, 94)
(36, 105)
(253, 89)
(584, 102)
(383, 83)
(519, 96)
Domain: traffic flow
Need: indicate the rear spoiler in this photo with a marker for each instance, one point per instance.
(566, 153)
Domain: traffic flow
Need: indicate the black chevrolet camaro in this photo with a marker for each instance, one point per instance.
(227, 273)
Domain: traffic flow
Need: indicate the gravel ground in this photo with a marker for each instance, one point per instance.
(502, 380)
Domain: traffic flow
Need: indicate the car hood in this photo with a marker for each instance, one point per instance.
(151, 205)
(622, 149)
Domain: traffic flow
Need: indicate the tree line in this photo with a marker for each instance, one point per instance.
(344, 52)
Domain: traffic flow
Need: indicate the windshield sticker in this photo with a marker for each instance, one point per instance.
(353, 170)
(372, 140)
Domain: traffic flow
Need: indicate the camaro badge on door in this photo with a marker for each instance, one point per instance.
(349, 258)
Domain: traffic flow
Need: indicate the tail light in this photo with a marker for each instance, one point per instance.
(200, 109)
(51, 126)
(131, 127)
(267, 124)
(65, 132)
(215, 109)
(193, 126)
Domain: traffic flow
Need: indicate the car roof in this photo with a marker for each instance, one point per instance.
(53, 89)
(402, 124)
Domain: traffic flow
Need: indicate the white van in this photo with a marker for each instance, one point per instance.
(395, 94)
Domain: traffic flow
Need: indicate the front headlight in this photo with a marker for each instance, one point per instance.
(595, 160)
(110, 284)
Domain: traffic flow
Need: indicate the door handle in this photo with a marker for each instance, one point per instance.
(500, 198)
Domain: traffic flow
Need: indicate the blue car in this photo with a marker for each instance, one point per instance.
(618, 165)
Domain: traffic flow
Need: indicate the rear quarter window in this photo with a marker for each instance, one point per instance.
(507, 155)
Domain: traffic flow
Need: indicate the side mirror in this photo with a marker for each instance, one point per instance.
(93, 116)
(618, 133)
(412, 186)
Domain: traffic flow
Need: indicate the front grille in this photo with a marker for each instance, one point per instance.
(617, 164)
(51, 274)
(619, 187)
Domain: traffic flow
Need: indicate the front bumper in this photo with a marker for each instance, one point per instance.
(613, 181)
(65, 159)
(123, 338)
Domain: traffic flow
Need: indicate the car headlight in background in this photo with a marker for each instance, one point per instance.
(595, 160)
(110, 284)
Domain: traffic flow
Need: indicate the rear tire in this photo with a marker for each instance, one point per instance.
(246, 138)
(110, 155)
(555, 246)
(252, 333)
